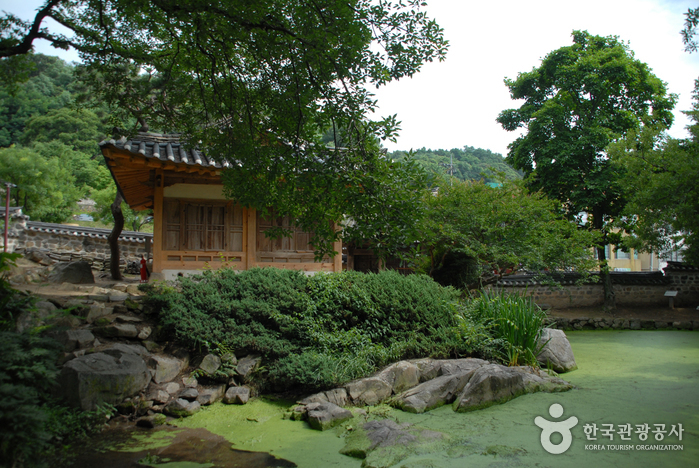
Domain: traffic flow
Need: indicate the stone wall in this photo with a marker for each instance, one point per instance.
(72, 243)
(631, 289)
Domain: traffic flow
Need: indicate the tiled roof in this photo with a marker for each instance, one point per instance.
(679, 266)
(618, 277)
(165, 147)
(79, 231)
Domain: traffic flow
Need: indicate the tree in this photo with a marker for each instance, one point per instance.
(660, 178)
(44, 187)
(690, 30)
(582, 98)
(475, 233)
(254, 83)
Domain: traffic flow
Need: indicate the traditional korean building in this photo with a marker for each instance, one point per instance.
(195, 226)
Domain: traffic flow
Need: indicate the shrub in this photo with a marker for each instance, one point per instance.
(516, 320)
(314, 332)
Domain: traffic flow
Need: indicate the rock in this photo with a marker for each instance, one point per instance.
(132, 305)
(433, 393)
(97, 311)
(166, 368)
(128, 319)
(385, 443)
(144, 333)
(117, 296)
(118, 330)
(72, 272)
(401, 376)
(189, 394)
(557, 353)
(127, 348)
(237, 395)
(247, 365)
(37, 256)
(95, 378)
(74, 339)
(431, 368)
(172, 388)
(337, 396)
(326, 415)
(133, 290)
(488, 385)
(369, 391)
(151, 421)
(211, 394)
(210, 364)
(190, 382)
(159, 396)
(181, 408)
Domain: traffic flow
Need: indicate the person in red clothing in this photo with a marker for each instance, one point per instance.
(144, 270)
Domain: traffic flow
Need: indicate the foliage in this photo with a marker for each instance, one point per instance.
(255, 84)
(134, 220)
(314, 332)
(33, 427)
(12, 303)
(516, 320)
(690, 29)
(663, 210)
(582, 98)
(45, 188)
(475, 231)
(468, 163)
(27, 372)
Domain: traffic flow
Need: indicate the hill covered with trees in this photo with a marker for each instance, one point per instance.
(469, 163)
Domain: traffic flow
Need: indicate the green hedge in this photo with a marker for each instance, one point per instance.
(314, 332)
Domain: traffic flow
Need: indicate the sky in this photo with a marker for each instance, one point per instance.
(454, 103)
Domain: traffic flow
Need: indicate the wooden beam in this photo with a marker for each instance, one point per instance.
(251, 239)
(158, 222)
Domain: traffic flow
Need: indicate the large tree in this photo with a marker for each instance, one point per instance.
(255, 83)
(579, 100)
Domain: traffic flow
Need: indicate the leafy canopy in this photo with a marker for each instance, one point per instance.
(582, 98)
(254, 83)
(663, 209)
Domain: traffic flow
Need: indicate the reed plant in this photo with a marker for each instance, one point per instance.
(514, 319)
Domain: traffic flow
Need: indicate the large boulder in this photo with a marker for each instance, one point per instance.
(326, 415)
(181, 408)
(72, 272)
(401, 376)
(385, 443)
(96, 378)
(210, 363)
(490, 384)
(211, 394)
(248, 365)
(557, 352)
(237, 396)
(166, 368)
(369, 391)
(433, 393)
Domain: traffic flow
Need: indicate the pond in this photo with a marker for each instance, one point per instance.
(623, 377)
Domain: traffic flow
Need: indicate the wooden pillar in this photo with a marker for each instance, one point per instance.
(158, 222)
(251, 246)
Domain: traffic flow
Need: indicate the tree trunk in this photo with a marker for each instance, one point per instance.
(609, 296)
(113, 237)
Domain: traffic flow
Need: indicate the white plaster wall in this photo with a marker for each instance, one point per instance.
(202, 191)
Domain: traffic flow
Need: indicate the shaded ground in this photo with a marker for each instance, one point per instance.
(169, 447)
